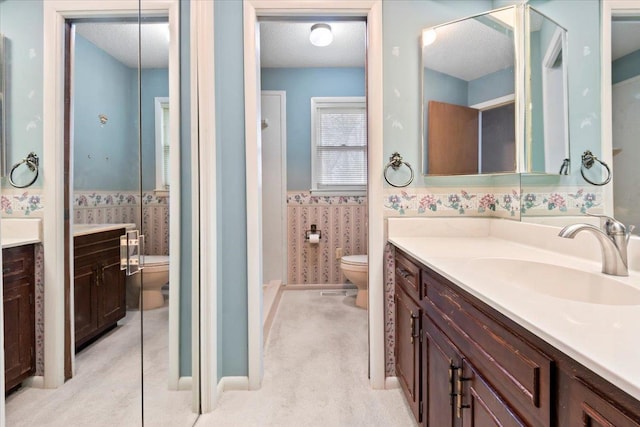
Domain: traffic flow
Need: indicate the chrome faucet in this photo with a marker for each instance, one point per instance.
(613, 237)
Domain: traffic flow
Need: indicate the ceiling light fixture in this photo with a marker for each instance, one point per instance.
(321, 35)
(428, 37)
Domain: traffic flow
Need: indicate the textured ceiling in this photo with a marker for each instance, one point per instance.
(625, 38)
(468, 50)
(120, 40)
(286, 44)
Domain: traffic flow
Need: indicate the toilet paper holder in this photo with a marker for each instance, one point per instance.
(314, 230)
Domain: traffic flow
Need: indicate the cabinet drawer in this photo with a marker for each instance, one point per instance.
(519, 372)
(17, 262)
(408, 275)
(589, 408)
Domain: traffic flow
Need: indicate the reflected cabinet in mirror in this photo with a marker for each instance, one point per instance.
(493, 100)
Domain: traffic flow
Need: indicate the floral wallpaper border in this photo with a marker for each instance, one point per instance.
(94, 199)
(306, 198)
(492, 202)
(25, 203)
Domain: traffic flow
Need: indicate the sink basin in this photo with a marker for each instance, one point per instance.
(556, 281)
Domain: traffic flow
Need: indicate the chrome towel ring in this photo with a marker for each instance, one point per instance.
(32, 163)
(395, 161)
(588, 159)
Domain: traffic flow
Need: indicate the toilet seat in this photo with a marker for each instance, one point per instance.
(355, 260)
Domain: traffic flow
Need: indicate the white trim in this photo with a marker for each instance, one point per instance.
(628, 81)
(37, 381)
(158, 103)
(372, 10)
(496, 102)
(232, 384)
(2, 404)
(54, 14)
(610, 8)
(185, 383)
(557, 45)
(391, 383)
(205, 231)
(253, 147)
(283, 172)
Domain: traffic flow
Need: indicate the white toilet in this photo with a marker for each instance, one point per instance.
(356, 269)
(156, 275)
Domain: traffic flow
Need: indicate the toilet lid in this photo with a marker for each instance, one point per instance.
(151, 260)
(355, 259)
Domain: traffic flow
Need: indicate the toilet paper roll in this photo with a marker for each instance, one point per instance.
(314, 239)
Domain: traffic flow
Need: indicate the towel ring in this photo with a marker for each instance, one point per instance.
(588, 159)
(395, 161)
(33, 163)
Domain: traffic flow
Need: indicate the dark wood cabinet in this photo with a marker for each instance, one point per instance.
(478, 368)
(19, 314)
(407, 349)
(99, 284)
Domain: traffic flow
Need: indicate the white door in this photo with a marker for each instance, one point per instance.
(274, 186)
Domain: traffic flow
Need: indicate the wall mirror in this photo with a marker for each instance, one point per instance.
(473, 98)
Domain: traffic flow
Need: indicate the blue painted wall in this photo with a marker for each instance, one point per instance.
(402, 25)
(231, 194)
(155, 83)
(492, 86)
(102, 152)
(21, 23)
(301, 84)
(104, 85)
(625, 67)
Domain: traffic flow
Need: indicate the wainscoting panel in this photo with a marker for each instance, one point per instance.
(342, 222)
(120, 207)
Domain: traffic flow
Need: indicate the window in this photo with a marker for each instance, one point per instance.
(162, 143)
(338, 144)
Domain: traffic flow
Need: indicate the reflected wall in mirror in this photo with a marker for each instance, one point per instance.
(547, 113)
(468, 72)
(625, 103)
(478, 118)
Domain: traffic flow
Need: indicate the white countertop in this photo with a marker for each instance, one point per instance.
(84, 229)
(20, 231)
(604, 338)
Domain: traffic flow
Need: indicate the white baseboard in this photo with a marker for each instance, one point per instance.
(391, 383)
(185, 383)
(232, 384)
(36, 381)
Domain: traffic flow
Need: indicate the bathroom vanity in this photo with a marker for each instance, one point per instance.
(474, 353)
(99, 284)
(19, 314)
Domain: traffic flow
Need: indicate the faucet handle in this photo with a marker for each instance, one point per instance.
(610, 225)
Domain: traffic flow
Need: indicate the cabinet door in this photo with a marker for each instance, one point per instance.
(19, 335)
(439, 364)
(408, 349)
(479, 405)
(85, 301)
(588, 408)
(111, 294)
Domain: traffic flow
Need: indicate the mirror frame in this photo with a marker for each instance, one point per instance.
(3, 107)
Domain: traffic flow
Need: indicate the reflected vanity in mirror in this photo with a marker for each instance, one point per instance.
(494, 95)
